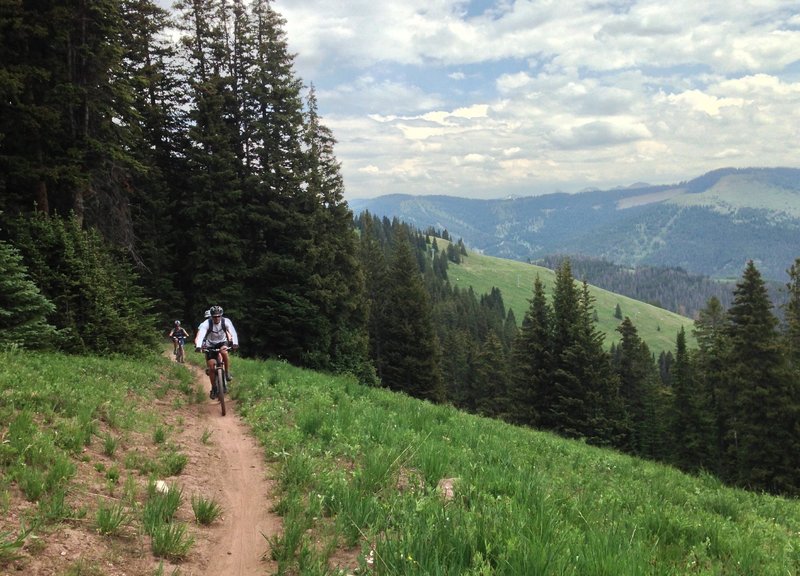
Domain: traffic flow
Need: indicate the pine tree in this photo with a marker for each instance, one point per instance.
(212, 208)
(532, 360)
(761, 429)
(792, 315)
(23, 309)
(637, 374)
(376, 282)
(490, 380)
(279, 205)
(156, 193)
(708, 368)
(688, 411)
(337, 282)
(565, 406)
(410, 357)
(604, 419)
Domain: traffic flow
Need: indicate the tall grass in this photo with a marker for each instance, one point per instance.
(360, 467)
(365, 464)
(51, 408)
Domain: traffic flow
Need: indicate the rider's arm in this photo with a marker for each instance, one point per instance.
(232, 330)
(201, 335)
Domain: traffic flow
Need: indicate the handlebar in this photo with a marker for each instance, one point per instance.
(222, 346)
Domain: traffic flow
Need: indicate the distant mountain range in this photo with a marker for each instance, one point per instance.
(710, 225)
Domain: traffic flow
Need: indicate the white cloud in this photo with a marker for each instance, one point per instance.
(526, 97)
(697, 101)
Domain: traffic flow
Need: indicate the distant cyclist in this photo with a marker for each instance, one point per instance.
(176, 333)
(217, 333)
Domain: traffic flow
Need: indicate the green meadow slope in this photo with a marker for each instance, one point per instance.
(367, 481)
(656, 326)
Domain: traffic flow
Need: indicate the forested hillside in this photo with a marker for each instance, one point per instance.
(673, 289)
(145, 176)
(710, 225)
(200, 159)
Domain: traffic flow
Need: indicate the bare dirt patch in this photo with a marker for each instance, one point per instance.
(225, 463)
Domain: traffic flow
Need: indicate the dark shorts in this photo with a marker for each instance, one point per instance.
(212, 349)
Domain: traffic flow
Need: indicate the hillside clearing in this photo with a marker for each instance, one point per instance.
(656, 326)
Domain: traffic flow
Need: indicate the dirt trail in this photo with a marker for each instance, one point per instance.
(225, 464)
(230, 468)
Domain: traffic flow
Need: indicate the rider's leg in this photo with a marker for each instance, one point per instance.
(211, 370)
(227, 365)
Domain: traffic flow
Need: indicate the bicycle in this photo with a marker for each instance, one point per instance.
(180, 352)
(219, 373)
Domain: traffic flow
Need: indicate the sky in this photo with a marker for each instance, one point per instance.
(493, 98)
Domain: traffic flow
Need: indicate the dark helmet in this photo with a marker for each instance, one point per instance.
(216, 310)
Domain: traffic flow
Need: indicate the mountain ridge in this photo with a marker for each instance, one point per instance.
(709, 225)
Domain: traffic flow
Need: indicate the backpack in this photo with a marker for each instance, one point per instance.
(224, 327)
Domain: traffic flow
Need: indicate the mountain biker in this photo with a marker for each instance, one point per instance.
(217, 333)
(176, 332)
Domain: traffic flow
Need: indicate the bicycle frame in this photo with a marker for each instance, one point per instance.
(220, 380)
(180, 352)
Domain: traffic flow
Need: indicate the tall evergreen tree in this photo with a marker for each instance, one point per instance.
(688, 410)
(490, 379)
(709, 365)
(410, 358)
(155, 237)
(279, 205)
(762, 443)
(376, 280)
(566, 395)
(213, 208)
(635, 367)
(604, 418)
(792, 314)
(337, 281)
(532, 360)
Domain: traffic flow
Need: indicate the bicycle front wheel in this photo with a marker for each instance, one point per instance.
(179, 355)
(221, 384)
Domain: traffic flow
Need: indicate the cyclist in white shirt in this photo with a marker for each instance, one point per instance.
(216, 333)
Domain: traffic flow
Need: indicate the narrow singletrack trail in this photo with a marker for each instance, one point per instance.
(227, 464)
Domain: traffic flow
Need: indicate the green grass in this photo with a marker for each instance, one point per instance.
(205, 510)
(360, 466)
(357, 466)
(52, 407)
(110, 519)
(656, 326)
